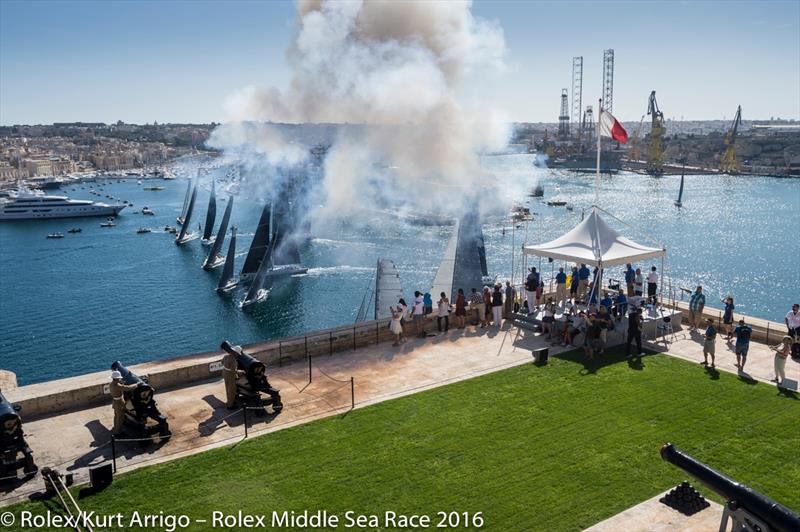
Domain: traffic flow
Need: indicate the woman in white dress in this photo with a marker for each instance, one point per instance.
(395, 326)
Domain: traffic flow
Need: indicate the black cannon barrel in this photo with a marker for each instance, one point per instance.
(253, 367)
(773, 513)
(10, 422)
(143, 392)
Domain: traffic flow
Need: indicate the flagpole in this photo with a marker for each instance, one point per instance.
(597, 174)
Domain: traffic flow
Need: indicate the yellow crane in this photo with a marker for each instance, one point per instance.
(655, 159)
(635, 141)
(729, 164)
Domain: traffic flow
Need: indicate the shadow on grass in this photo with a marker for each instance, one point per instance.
(789, 394)
(712, 373)
(612, 356)
(746, 378)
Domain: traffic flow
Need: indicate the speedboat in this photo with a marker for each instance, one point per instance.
(75, 230)
(146, 210)
(142, 230)
(152, 188)
(55, 235)
(108, 223)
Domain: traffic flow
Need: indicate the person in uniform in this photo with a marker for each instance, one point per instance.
(118, 389)
(230, 372)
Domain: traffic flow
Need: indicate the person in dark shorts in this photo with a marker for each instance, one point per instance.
(634, 332)
(709, 342)
(727, 317)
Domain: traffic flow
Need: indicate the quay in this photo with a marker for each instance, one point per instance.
(322, 374)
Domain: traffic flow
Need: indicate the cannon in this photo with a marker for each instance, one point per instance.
(253, 382)
(13, 444)
(141, 410)
(748, 509)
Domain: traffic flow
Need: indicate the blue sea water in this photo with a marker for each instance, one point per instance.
(75, 305)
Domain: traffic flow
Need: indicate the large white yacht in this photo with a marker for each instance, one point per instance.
(25, 204)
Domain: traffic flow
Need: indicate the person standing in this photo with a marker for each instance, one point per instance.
(476, 302)
(583, 281)
(727, 316)
(792, 321)
(418, 314)
(638, 283)
(592, 342)
(395, 326)
(117, 390)
(461, 309)
(709, 342)
(630, 278)
(548, 317)
(696, 304)
(604, 322)
(497, 304)
(634, 332)
(742, 332)
(231, 372)
(531, 286)
(782, 352)
(403, 316)
(487, 305)
(621, 306)
(573, 284)
(652, 286)
(561, 288)
(428, 303)
(508, 309)
(443, 312)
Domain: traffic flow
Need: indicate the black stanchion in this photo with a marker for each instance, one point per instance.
(352, 394)
(114, 452)
(244, 410)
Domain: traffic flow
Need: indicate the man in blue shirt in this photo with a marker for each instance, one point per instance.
(561, 287)
(630, 277)
(583, 281)
(607, 302)
(742, 333)
(696, 304)
(622, 305)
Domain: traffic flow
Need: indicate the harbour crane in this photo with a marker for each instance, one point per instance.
(635, 141)
(729, 163)
(655, 160)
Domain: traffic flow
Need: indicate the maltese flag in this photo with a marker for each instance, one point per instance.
(610, 127)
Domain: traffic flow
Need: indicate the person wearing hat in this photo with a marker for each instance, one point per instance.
(117, 389)
(230, 372)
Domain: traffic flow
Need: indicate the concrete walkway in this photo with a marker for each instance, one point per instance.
(198, 418)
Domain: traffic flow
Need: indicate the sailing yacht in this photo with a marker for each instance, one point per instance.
(214, 259)
(226, 281)
(211, 215)
(180, 219)
(259, 245)
(679, 201)
(185, 235)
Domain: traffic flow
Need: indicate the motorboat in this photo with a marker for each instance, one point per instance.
(143, 230)
(75, 230)
(153, 188)
(108, 223)
(24, 204)
(55, 235)
(146, 210)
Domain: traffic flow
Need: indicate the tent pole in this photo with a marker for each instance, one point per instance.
(663, 280)
(597, 173)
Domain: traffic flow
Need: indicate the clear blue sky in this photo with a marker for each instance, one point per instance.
(174, 61)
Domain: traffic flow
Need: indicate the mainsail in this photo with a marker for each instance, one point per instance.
(211, 215)
(388, 289)
(214, 258)
(182, 216)
(257, 291)
(679, 202)
(226, 280)
(182, 236)
(260, 243)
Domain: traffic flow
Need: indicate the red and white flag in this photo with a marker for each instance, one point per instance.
(610, 127)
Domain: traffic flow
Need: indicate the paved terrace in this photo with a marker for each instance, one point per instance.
(199, 420)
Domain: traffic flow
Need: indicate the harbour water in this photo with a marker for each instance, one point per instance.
(75, 305)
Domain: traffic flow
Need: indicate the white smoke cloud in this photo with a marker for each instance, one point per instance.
(400, 70)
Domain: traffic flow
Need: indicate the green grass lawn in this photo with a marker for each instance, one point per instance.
(558, 447)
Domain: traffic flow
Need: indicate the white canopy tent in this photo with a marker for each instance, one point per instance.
(595, 243)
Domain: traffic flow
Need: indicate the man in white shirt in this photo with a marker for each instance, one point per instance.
(793, 320)
(418, 313)
(652, 285)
